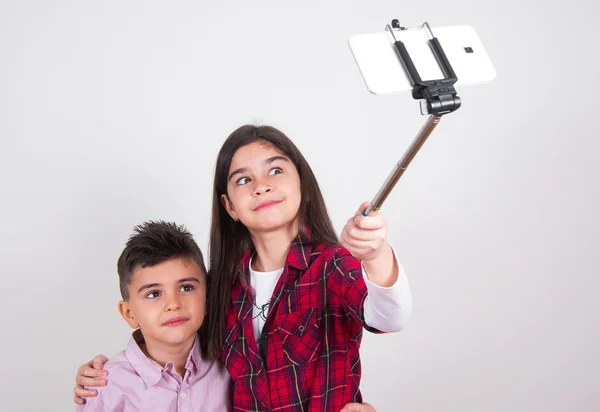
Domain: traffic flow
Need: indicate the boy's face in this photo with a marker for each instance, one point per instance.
(166, 301)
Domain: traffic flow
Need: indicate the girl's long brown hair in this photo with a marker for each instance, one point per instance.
(229, 240)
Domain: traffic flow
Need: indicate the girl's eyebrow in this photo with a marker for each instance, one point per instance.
(274, 158)
(270, 160)
(237, 172)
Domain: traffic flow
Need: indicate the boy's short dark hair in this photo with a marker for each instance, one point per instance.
(152, 243)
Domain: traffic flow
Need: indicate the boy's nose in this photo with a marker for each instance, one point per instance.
(173, 304)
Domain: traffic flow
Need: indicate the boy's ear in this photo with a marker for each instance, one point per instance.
(229, 207)
(125, 311)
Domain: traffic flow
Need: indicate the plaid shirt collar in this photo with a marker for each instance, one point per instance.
(298, 257)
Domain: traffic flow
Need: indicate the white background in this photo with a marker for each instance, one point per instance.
(112, 112)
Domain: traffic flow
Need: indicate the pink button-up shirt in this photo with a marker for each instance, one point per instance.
(136, 383)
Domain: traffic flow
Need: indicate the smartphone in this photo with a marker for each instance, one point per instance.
(382, 70)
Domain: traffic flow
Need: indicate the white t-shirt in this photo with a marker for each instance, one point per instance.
(263, 284)
(387, 309)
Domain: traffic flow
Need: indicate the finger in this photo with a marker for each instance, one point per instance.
(345, 233)
(370, 222)
(359, 253)
(99, 361)
(368, 407)
(363, 207)
(93, 373)
(352, 230)
(363, 254)
(86, 365)
(351, 407)
(357, 244)
(78, 400)
(366, 235)
(349, 225)
(85, 393)
(91, 382)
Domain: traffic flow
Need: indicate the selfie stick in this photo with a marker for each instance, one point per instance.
(438, 97)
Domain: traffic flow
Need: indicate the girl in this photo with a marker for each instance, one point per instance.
(287, 302)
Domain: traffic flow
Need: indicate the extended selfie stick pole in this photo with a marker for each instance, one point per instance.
(438, 98)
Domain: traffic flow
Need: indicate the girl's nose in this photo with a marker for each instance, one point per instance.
(262, 187)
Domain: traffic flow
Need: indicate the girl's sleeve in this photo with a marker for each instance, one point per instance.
(378, 309)
(388, 309)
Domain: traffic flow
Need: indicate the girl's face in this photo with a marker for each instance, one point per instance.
(263, 188)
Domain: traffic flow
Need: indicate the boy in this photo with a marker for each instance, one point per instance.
(162, 278)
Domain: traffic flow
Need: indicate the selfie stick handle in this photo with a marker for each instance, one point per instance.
(438, 97)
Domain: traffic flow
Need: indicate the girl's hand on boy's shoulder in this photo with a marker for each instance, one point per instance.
(90, 374)
(358, 407)
(365, 236)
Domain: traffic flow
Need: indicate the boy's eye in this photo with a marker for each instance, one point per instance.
(153, 295)
(275, 171)
(186, 288)
(243, 180)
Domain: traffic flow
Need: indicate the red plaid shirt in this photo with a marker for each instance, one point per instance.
(307, 358)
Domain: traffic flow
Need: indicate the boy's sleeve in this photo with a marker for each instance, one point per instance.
(388, 309)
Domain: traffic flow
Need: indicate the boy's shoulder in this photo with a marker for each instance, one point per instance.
(117, 367)
(118, 364)
(121, 374)
(125, 385)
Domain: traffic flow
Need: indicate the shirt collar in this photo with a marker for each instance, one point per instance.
(150, 371)
(299, 253)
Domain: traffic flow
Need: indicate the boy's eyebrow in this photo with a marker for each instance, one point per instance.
(190, 279)
(155, 285)
(268, 161)
(148, 286)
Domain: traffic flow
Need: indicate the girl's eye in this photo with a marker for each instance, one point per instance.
(153, 295)
(243, 180)
(275, 171)
(186, 288)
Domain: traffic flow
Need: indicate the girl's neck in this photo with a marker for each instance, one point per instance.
(272, 248)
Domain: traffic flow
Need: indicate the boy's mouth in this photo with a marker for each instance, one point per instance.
(175, 321)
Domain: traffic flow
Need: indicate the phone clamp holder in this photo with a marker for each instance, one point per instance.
(439, 95)
(437, 98)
